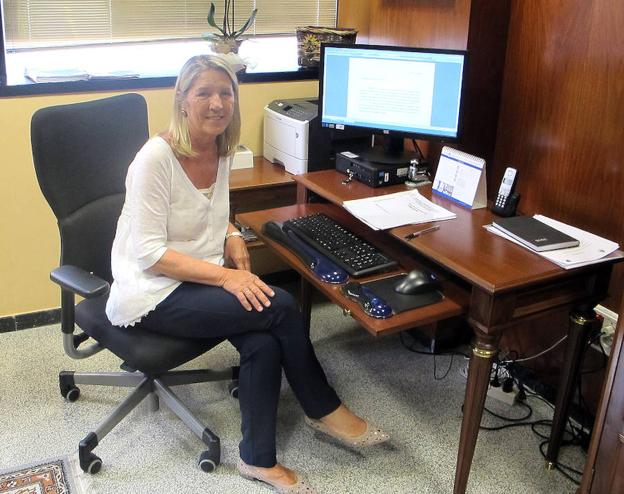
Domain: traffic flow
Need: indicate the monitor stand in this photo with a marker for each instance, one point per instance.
(392, 153)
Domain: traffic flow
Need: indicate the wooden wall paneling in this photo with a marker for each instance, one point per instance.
(561, 114)
(487, 41)
(355, 14)
(424, 23)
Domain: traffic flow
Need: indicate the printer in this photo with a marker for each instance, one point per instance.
(294, 138)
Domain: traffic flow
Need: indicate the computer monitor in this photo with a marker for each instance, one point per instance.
(399, 92)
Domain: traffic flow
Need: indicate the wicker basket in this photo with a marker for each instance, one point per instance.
(309, 39)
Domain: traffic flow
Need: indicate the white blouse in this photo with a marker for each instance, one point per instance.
(162, 209)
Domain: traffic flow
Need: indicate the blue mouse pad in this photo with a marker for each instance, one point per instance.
(399, 302)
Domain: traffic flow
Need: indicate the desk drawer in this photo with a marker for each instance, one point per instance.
(242, 201)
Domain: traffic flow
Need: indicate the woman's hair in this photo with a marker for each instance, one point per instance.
(180, 139)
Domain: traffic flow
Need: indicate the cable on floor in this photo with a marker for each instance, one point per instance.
(452, 354)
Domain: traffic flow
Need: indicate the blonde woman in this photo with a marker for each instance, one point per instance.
(181, 268)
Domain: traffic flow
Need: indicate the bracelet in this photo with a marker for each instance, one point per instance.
(233, 234)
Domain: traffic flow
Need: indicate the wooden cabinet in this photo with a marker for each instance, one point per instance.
(604, 470)
(262, 187)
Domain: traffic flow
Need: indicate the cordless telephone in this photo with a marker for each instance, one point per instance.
(506, 200)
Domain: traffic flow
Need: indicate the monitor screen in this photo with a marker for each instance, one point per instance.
(407, 92)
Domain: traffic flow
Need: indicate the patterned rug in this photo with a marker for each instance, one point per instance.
(52, 476)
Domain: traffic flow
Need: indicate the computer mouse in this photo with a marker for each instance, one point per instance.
(416, 282)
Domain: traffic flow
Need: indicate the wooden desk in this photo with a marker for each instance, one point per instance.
(502, 282)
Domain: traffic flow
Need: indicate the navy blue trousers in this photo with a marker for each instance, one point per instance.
(267, 342)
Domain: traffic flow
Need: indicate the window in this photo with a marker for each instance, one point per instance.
(146, 36)
(46, 23)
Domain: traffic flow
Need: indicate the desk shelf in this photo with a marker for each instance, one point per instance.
(455, 296)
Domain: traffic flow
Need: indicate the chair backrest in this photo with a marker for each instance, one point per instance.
(81, 153)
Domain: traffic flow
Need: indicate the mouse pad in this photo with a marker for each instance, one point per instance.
(399, 302)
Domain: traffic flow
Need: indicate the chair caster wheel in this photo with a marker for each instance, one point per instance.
(92, 465)
(209, 460)
(68, 389)
(233, 388)
(71, 394)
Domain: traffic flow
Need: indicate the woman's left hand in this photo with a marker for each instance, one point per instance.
(236, 254)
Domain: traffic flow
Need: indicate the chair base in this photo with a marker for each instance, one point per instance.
(155, 389)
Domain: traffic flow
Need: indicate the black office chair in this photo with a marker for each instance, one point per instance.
(81, 154)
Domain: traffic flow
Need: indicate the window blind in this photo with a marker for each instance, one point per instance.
(40, 23)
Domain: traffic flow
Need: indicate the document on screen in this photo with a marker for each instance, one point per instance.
(383, 91)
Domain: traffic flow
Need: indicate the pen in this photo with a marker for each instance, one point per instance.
(418, 233)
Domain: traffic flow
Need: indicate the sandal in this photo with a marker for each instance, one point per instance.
(250, 472)
(371, 436)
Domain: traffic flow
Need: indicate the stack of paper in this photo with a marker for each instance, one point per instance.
(56, 75)
(114, 74)
(392, 210)
(591, 249)
(75, 74)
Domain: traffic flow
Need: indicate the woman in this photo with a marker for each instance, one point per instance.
(169, 259)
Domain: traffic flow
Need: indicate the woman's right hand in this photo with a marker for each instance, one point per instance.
(249, 289)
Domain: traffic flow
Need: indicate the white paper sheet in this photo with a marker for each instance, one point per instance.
(392, 210)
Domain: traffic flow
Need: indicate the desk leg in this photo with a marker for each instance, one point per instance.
(483, 353)
(302, 194)
(305, 302)
(578, 334)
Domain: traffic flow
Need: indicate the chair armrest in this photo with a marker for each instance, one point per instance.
(78, 281)
(75, 281)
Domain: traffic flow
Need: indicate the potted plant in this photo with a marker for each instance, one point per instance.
(227, 40)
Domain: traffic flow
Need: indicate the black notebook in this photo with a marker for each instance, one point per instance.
(534, 234)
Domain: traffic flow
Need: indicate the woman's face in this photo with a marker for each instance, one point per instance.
(209, 104)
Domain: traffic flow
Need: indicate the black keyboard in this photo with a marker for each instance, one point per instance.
(350, 251)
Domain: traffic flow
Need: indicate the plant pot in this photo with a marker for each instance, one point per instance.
(226, 45)
(309, 39)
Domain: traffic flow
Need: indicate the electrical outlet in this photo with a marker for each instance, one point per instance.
(498, 394)
(609, 323)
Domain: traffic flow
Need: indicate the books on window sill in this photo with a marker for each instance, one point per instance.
(590, 249)
(76, 74)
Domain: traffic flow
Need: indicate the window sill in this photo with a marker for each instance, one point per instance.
(269, 60)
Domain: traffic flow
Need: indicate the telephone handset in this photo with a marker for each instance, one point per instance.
(506, 200)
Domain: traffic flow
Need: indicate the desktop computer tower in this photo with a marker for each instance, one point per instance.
(370, 173)
(441, 337)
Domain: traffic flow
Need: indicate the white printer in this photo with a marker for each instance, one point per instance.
(287, 128)
(294, 138)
